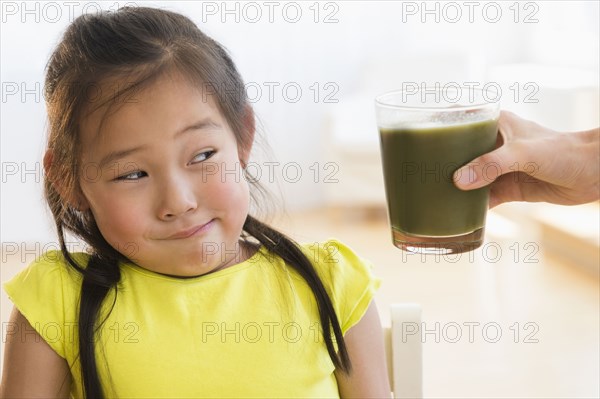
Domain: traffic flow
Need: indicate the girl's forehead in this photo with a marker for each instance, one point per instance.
(122, 104)
(125, 91)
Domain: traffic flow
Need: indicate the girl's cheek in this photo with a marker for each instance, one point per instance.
(228, 189)
(127, 218)
(118, 214)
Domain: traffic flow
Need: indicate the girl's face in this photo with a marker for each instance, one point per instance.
(163, 180)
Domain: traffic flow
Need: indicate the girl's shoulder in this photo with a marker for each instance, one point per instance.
(333, 252)
(46, 292)
(50, 274)
(51, 266)
(349, 278)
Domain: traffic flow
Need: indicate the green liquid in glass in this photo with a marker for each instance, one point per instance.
(418, 165)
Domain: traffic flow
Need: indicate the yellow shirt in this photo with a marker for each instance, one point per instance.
(250, 330)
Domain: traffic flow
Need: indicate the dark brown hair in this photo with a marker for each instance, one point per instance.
(137, 45)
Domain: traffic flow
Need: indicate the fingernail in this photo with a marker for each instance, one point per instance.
(465, 177)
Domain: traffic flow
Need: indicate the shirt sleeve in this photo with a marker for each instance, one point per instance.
(44, 293)
(349, 277)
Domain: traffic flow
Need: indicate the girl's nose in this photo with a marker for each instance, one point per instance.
(176, 198)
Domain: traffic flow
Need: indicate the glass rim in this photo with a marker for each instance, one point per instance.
(425, 108)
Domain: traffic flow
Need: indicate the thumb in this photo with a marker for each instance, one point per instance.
(485, 169)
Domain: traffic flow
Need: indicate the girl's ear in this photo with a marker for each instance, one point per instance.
(72, 197)
(250, 129)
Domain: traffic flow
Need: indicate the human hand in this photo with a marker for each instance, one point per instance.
(533, 163)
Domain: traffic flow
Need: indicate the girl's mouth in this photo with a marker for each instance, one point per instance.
(192, 231)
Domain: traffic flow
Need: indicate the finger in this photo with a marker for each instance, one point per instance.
(507, 188)
(522, 187)
(527, 147)
(548, 159)
(485, 169)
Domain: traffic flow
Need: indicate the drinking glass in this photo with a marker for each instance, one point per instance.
(426, 134)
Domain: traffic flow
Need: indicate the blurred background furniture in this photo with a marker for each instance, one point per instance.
(404, 351)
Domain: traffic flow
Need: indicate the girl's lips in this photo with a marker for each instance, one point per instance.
(193, 231)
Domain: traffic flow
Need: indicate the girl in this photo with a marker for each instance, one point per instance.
(183, 293)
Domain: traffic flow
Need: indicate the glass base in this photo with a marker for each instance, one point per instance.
(438, 245)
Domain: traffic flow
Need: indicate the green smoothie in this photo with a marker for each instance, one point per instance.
(418, 165)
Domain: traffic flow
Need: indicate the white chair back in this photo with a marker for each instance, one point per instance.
(404, 351)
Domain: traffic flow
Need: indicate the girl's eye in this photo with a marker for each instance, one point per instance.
(131, 176)
(138, 174)
(203, 156)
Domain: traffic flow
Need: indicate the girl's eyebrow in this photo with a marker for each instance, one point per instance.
(205, 123)
(116, 155)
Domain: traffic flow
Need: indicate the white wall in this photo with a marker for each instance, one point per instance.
(373, 46)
